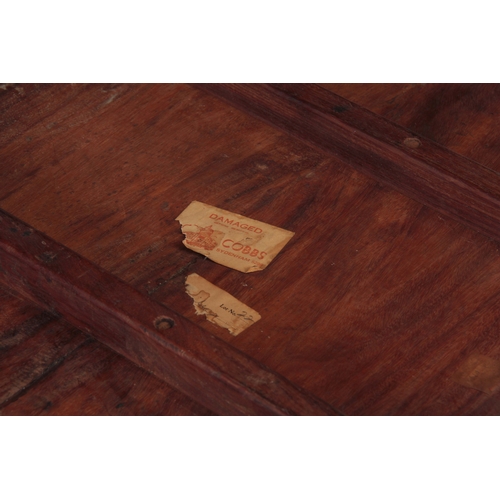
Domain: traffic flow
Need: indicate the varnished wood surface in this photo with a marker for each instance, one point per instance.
(462, 117)
(420, 169)
(373, 306)
(151, 335)
(50, 368)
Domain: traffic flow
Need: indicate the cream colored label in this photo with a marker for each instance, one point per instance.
(218, 306)
(229, 239)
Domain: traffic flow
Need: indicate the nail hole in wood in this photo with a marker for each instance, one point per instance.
(412, 142)
(339, 109)
(163, 323)
(47, 257)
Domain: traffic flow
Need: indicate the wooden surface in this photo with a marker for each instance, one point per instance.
(462, 117)
(374, 306)
(50, 368)
(420, 169)
(142, 330)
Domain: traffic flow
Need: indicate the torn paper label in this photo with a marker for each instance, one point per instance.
(229, 239)
(218, 306)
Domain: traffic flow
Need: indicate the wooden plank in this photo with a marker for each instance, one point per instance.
(33, 343)
(48, 367)
(462, 117)
(372, 306)
(418, 168)
(146, 332)
(96, 381)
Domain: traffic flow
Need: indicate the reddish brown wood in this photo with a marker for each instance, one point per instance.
(148, 333)
(96, 381)
(33, 343)
(50, 368)
(418, 168)
(373, 306)
(461, 117)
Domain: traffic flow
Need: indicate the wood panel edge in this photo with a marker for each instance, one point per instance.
(200, 365)
(430, 174)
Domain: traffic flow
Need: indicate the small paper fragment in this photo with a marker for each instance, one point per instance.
(230, 239)
(218, 306)
(479, 372)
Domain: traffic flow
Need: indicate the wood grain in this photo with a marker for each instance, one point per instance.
(49, 368)
(32, 343)
(418, 168)
(373, 306)
(461, 117)
(151, 335)
(96, 381)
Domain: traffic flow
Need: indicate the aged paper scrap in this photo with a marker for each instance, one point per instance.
(229, 239)
(219, 307)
